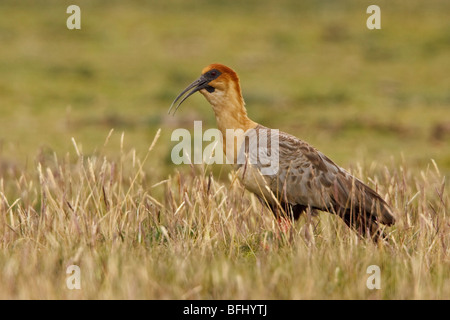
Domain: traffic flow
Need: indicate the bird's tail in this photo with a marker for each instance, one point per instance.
(365, 211)
(365, 225)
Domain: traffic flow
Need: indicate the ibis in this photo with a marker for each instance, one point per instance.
(306, 180)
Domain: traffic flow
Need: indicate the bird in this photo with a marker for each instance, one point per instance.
(306, 180)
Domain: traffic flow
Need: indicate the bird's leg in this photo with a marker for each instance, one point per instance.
(281, 234)
(284, 217)
(284, 224)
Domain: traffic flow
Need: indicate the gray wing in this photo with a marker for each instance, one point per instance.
(307, 177)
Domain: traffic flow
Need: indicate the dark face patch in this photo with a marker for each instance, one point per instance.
(212, 74)
(210, 89)
(209, 76)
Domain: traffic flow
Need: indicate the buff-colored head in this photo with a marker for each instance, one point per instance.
(217, 83)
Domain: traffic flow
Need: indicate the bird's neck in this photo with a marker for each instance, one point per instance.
(232, 121)
(232, 115)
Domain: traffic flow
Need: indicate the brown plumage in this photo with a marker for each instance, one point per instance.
(306, 178)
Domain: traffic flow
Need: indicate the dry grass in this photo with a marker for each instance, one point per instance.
(141, 228)
(193, 237)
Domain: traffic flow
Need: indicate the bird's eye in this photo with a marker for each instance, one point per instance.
(213, 74)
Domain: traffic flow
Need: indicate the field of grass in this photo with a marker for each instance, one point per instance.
(86, 177)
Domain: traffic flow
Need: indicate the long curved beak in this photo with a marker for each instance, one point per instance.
(197, 85)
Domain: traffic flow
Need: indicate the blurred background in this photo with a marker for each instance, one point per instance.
(310, 68)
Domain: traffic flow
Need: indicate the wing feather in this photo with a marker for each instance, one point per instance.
(306, 177)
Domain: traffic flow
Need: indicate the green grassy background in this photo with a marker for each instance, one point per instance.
(312, 69)
(375, 101)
